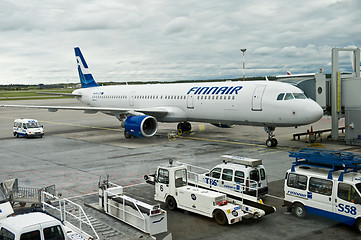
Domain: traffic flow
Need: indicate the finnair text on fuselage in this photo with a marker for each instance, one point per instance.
(215, 90)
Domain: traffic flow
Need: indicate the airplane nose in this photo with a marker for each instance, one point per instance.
(315, 112)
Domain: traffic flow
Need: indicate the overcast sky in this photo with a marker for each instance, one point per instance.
(141, 40)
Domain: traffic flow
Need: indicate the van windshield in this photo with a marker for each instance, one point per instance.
(32, 125)
(358, 186)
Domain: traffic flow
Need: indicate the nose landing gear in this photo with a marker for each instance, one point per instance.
(271, 141)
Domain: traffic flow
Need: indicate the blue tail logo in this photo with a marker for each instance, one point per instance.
(86, 78)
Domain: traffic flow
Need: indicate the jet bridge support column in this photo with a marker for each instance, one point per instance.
(336, 85)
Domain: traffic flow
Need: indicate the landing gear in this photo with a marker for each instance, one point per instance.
(271, 141)
(184, 127)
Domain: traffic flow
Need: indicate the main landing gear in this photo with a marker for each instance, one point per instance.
(271, 141)
(184, 127)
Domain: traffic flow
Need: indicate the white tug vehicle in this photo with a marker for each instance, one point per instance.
(171, 187)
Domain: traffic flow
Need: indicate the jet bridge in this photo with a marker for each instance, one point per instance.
(339, 95)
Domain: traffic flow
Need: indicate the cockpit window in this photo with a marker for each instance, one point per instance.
(289, 96)
(299, 96)
(280, 96)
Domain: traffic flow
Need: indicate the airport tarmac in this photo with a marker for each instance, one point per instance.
(79, 148)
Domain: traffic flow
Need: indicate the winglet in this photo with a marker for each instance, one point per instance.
(86, 78)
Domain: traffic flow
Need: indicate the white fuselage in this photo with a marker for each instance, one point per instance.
(243, 103)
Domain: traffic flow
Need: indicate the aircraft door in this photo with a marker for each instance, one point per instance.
(190, 104)
(257, 98)
(131, 99)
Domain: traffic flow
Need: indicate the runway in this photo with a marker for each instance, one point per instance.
(79, 148)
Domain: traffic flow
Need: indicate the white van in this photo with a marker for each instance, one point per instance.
(239, 173)
(327, 192)
(27, 128)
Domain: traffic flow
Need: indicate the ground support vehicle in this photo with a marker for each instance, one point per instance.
(237, 191)
(171, 187)
(24, 195)
(239, 174)
(325, 183)
(148, 218)
(27, 128)
(45, 226)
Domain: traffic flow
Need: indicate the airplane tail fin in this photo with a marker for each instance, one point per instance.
(86, 78)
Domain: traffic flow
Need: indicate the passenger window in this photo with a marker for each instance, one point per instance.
(6, 235)
(254, 175)
(280, 96)
(297, 181)
(239, 177)
(263, 174)
(227, 174)
(163, 176)
(53, 233)
(289, 96)
(216, 173)
(320, 186)
(34, 235)
(348, 193)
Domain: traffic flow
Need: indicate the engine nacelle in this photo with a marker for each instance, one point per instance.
(141, 126)
(222, 125)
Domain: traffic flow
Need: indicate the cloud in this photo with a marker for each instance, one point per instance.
(161, 40)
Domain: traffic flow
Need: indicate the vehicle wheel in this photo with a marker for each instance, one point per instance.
(127, 134)
(26, 135)
(171, 203)
(299, 210)
(358, 225)
(220, 217)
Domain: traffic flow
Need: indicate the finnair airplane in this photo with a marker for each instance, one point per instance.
(225, 104)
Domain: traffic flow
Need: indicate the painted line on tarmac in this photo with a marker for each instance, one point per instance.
(278, 149)
(279, 198)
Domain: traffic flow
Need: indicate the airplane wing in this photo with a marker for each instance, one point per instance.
(157, 112)
(60, 94)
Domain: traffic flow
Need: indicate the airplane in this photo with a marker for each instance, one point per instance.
(224, 104)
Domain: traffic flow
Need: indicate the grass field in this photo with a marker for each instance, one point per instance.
(31, 94)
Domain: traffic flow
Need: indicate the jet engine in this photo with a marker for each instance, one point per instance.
(141, 126)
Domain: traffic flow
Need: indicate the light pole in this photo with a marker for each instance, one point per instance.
(243, 51)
